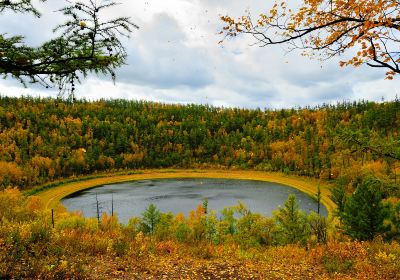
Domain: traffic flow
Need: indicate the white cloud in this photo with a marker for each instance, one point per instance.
(160, 59)
(175, 57)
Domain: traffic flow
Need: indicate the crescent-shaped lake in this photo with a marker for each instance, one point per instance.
(182, 195)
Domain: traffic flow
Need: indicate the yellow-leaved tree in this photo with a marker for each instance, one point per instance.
(368, 29)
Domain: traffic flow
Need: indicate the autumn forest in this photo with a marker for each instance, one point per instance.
(350, 148)
(46, 139)
(342, 157)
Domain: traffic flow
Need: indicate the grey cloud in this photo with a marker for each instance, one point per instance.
(160, 58)
(35, 30)
(175, 57)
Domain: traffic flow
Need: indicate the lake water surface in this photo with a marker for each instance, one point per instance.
(182, 195)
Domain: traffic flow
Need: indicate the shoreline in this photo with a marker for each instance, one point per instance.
(51, 197)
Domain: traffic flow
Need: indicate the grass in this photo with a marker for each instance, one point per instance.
(51, 194)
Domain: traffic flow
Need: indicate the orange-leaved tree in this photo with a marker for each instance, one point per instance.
(368, 29)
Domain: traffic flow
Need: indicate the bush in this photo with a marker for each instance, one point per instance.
(334, 264)
(120, 246)
(182, 232)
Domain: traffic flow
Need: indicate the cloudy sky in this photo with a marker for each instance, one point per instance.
(175, 58)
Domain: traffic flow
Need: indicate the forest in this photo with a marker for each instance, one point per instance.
(352, 146)
(348, 152)
(47, 139)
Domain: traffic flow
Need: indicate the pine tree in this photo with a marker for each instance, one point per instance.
(339, 196)
(364, 211)
(292, 222)
(151, 217)
(83, 44)
(318, 199)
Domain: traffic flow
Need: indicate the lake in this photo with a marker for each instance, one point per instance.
(182, 195)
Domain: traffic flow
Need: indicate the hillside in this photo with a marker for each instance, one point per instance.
(45, 139)
(351, 149)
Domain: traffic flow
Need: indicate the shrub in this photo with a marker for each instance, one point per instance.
(120, 246)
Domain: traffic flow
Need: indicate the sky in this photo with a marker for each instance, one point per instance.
(175, 58)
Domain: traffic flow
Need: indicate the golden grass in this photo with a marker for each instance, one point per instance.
(52, 197)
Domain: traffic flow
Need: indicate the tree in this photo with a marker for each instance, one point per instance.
(292, 222)
(339, 196)
(388, 150)
(151, 217)
(318, 225)
(364, 211)
(330, 28)
(205, 205)
(318, 199)
(84, 44)
(393, 222)
(163, 228)
(10, 174)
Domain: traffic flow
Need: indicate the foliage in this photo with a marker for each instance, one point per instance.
(339, 196)
(393, 220)
(364, 212)
(80, 248)
(317, 198)
(83, 44)
(42, 140)
(151, 218)
(292, 222)
(318, 226)
(389, 149)
(163, 227)
(329, 29)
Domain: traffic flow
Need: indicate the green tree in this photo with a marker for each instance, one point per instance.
(389, 149)
(364, 211)
(182, 232)
(339, 196)
(211, 226)
(228, 218)
(292, 222)
(393, 221)
(151, 217)
(254, 230)
(318, 225)
(83, 44)
(227, 225)
(205, 205)
(163, 226)
(318, 199)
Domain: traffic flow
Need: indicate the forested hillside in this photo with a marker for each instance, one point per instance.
(44, 139)
(355, 144)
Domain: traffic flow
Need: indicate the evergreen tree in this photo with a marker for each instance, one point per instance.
(151, 217)
(364, 211)
(318, 199)
(393, 222)
(84, 44)
(339, 196)
(292, 222)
